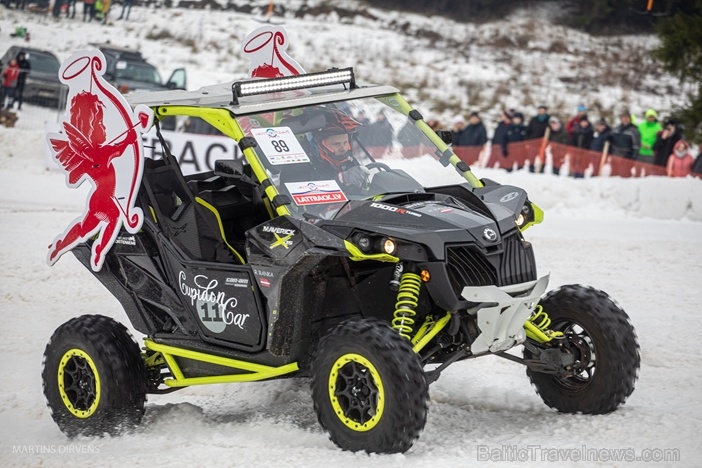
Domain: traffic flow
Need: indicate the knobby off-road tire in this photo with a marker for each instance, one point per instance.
(369, 389)
(610, 347)
(94, 378)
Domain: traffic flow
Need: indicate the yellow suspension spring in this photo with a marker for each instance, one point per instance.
(540, 318)
(407, 300)
(537, 327)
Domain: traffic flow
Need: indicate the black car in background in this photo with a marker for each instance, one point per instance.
(42, 85)
(127, 70)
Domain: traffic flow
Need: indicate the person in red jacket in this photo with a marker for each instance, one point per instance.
(9, 83)
(681, 161)
(574, 122)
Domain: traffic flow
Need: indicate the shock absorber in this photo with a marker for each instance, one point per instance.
(407, 300)
(537, 326)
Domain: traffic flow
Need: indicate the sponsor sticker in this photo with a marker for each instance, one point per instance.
(509, 197)
(129, 240)
(394, 209)
(280, 145)
(237, 282)
(316, 192)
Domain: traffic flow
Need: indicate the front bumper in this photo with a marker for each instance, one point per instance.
(502, 312)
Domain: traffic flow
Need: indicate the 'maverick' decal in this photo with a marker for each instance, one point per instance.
(98, 143)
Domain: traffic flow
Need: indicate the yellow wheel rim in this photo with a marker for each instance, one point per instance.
(356, 392)
(79, 383)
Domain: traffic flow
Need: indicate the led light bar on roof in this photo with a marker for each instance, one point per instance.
(289, 83)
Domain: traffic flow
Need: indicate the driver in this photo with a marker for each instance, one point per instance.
(334, 149)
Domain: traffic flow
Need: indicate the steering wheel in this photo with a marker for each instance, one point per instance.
(378, 165)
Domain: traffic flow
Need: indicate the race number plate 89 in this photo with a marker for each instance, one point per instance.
(280, 145)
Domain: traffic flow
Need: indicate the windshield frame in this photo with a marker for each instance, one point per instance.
(392, 103)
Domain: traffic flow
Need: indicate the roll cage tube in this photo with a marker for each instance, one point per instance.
(397, 102)
(225, 122)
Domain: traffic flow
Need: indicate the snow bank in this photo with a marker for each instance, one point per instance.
(647, 197)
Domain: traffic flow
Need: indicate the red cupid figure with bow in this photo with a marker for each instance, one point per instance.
(99, 143)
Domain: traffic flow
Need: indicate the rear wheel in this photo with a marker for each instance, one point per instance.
(600, 335)
(94, 378)
(369, 389)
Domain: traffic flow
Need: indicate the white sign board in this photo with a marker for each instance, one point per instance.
(195, 153)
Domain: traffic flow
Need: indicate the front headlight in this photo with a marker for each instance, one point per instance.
(528, 215)
(388, 246)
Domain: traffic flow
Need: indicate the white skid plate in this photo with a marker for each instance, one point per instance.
(501, 319)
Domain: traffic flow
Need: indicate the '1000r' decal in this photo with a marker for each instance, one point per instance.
(213, 307)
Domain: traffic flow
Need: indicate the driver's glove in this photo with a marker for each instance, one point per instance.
(356, 176)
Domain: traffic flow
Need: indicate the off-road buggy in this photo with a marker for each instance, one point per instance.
(260, 269)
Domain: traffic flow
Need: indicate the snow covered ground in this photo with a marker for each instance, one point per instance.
(633, 238)
(638, 239)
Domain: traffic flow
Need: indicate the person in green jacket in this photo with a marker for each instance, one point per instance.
(648, 129)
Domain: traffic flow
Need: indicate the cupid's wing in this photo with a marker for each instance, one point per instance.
(73, 153)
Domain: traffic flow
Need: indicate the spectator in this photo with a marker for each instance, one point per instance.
(517, 130)
(602, 132)
(126, 6)
(361, 118)
(681, 161)
(71, 9)
(2, 89)
(573, 122)
(697, 166)
(583, 135)
(625, 139)
(380, 133)
(558, 133)
(24, 68)
(474, 134)
(104, 10)
(665, 142)
(88, 10)
(538, 124)
(459, 126)
(56, 12)
(434, 123)
(648, 129)
(498, 138)
(9, 83)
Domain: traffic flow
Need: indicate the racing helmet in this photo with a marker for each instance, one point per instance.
(336, 123)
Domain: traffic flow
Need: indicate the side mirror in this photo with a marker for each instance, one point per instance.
(445, 136)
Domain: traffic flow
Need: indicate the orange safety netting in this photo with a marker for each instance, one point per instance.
(578, 161)
(517, 154)
(469, 154)
(623, 167)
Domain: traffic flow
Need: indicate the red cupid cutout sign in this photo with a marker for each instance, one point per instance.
(266, 49)
(100, 144)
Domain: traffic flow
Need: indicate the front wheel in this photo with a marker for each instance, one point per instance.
(600, 335)
(368, 387)
(94, 377)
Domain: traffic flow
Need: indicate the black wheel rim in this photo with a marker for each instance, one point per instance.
(79, 385)
(581, 344)
(357, 392)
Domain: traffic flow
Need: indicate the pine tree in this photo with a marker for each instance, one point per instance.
(681, 54)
